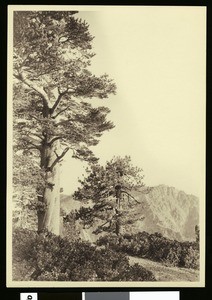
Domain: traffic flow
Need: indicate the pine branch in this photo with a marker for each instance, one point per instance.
(45, 72)
(30, 134)
(58, 159)
(127, 188)
(30, 148)
(30, 139)
(60, 112)
(100, 206)
(83, 155)
(23, 62)
(58, 100)
(34, 145)
(34, 117)
(54, 140)
(106, 222)
(63, 122)
(102, 226)
(30, 84)
(129, 195)
(37, 135)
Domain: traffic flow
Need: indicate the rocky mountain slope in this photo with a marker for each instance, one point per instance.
(170, 212)
(165, 209)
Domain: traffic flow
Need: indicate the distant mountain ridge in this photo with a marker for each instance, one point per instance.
(165, 209)
(170, 212)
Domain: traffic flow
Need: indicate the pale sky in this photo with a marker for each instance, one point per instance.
(156, 56)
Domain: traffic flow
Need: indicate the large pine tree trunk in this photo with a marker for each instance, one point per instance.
(49, 218)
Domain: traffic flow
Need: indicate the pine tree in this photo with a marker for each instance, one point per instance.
(110, 189)
(52, 54)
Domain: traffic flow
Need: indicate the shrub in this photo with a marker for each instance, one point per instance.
(22, 240)
(155, 247)
(137, 273)
(173, 256)
(53, 258)
(190, 255)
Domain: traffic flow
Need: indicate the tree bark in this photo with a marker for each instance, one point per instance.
(49, 217)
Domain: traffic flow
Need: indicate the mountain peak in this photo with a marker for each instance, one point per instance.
(172, 189)
(169, 211)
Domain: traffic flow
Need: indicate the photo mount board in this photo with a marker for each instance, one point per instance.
(11, 283)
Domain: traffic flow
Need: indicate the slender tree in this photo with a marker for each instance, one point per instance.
(110, 189)
(52, 54)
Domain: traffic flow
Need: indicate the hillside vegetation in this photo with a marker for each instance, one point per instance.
(46, 257)
(155, 247)
(137, 255)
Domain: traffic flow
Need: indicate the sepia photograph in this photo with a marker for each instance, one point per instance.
(106, 146)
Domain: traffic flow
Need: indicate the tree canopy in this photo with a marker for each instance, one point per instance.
(52, 53)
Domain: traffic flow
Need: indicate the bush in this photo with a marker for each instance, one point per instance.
(155, 247)
(53, 258)
(190, 255)
(137, 273)
(22, 241)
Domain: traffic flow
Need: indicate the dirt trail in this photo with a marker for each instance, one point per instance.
(163, 273)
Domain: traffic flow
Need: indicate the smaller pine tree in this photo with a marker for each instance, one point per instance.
(110, 189)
